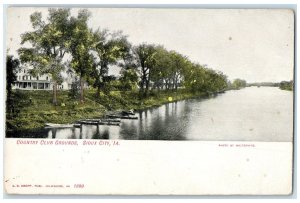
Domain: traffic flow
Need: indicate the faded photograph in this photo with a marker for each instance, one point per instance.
(150, 74)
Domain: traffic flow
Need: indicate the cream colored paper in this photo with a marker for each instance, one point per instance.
(149, 167)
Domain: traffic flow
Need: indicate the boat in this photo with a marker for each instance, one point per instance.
(102, 120)
(54, 125)
(77, 125)
(122, 117)
(111, 120)
(87, 122)
(127, 113)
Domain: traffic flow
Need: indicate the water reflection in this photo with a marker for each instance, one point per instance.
(250, 114)
(84, 132)
(163, 123)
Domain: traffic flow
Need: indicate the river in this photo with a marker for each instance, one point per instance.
(249, 114)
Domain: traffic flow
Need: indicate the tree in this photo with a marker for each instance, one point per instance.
(161, 68)
(178, 63)
(49, 43)
(129, 79)
(145, 55)
(286, 85)
(109, 48)
(199, 78)
(221, 81)
(168, 68)
(12, 66)
(238, 83)
(75, 88)
(129, 69)
(194, 77)
(81, 44)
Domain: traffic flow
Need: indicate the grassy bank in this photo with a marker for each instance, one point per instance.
(286, 85)
(288, 88)
(34, 108)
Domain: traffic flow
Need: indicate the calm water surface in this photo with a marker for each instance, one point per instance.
(250, 114)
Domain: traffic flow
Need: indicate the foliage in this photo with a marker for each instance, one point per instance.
(12, 66)
(149, 66)
(238, 83)
(145, 54)
(80, 46)
(109, 49)
(286, 85)
(75, 88)
(129, 79)
(30, 117)
(49, 43)
(151, 75)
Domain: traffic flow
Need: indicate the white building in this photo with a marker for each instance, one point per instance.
(25, 81)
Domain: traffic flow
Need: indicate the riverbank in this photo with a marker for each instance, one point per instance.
(34, 108)
(286, 85)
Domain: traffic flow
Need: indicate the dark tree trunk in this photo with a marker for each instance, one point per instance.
(176, 82)
(54, 101)
(8, 100)
(142, 83)
(141, 89)
(98, 92)
(9, 103)
(81, 91)
(168, 84)
(147, 88)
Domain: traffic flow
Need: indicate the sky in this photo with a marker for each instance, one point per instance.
(255, 45)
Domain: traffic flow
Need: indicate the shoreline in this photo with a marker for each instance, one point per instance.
(60, 115)
(115, 102)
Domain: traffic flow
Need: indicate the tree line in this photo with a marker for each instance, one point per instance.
(66, 43)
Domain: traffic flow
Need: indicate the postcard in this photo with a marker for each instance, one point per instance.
(149, 101)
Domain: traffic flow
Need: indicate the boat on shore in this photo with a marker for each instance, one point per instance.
(87, 122)
(102, 120)
(112, 118)
(121, 117)
(55, 125)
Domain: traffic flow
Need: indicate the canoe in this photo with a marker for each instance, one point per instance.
(84, 122)
(122, 117)
(54, 125)
(101, 120)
